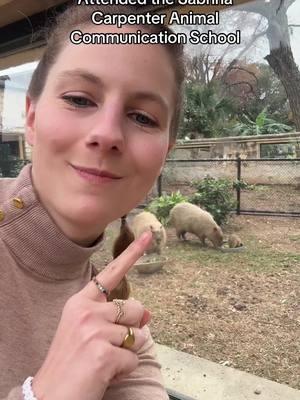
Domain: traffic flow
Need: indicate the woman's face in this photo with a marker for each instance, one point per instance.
(106, 108)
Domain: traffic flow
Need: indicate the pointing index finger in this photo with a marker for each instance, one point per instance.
(113, 273)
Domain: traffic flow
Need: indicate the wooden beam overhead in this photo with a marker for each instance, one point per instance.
(201, 9)
(16, 10)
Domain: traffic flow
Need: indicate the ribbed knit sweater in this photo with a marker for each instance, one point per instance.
(40, 269)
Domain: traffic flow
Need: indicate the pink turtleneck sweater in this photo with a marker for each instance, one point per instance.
(40, 269)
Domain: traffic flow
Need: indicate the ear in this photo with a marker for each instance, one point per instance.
(30, 120)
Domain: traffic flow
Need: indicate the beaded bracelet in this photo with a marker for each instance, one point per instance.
(27, 389)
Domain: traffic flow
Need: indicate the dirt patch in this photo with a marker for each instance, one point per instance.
(284, 198)
(273, 233)
(241, 310)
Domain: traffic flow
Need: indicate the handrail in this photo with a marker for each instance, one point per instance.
(173, 395)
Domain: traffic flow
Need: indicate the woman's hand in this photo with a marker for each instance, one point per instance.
(85, 355)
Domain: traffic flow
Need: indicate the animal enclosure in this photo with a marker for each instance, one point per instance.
(240, 310)
(270, 186)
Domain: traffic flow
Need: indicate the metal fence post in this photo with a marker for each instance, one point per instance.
(159, 184)
(238, 187)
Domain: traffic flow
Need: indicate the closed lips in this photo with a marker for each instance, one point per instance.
(96, 172)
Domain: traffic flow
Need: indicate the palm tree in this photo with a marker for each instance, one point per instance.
(207, 111)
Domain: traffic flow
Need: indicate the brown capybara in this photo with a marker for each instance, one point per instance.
(187, 217)
(234, 241)
(147, 221)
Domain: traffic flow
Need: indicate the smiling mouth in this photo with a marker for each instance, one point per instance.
(95, 176)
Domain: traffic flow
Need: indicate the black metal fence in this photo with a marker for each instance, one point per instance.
(261, 186)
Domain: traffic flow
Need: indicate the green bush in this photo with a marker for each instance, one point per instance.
(207, 111)
(10, 165)
(11, 169)
(215, 196)
(161, 206)
(242, 185)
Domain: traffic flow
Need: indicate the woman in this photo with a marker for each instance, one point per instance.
(101, 120)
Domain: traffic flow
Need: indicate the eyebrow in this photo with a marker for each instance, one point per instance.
(95, 80)
(83, 74)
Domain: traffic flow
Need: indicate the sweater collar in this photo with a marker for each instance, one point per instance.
(34, 239)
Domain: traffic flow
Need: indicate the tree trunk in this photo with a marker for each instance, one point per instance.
(281, 60)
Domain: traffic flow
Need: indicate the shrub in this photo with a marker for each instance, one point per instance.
(10, 165)
(161, 206)
(11, 168)
(207, 111)
(215, 196)
(242, 185)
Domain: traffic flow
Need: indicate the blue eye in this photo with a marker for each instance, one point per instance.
(78, 101)
(144, 120)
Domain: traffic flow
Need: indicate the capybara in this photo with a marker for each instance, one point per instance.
(187, 217)
(234, 241)
(148, 221)
(126, 236)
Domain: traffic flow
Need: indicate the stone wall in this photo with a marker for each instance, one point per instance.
(230, 147)
(253, 172)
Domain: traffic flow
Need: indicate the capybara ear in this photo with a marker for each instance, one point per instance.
(151, 227)
(215, 229)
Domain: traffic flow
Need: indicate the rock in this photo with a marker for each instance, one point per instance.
(222, 291)
(240, 306)
(225, 363)
(257, 390)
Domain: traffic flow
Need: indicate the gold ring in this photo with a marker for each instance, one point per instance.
(120, 312)
(129, 339)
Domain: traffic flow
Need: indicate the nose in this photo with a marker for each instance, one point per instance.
(107, 131)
